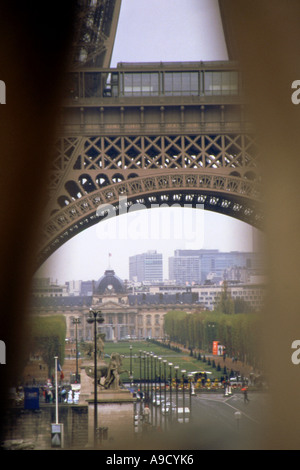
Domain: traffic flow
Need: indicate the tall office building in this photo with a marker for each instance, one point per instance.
(196, 265)
(146, 267)
(185, 269)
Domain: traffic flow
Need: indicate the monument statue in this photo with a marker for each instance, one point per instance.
(108, 376)
(89, 347)
(112, 379)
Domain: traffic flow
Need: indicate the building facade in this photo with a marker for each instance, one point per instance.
(198, 266)
(146, 267)
(124, 317)
(129, 314)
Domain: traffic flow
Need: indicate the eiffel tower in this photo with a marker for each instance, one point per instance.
(151, 133)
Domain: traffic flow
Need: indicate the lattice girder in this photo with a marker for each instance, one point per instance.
(211, 190)
(216, 171)
(94, 32)
(123, 154)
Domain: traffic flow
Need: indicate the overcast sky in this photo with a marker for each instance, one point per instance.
(154, 30)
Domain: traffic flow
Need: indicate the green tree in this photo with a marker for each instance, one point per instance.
(242, 306)
(173, 325)
(225, 303)
(238, 332)
(47, 337)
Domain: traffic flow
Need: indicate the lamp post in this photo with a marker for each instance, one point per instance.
(147, 370)
(155, 376)
(155, 391)
(165, 379)
(159, 361)
(160, 416)
(190, 393)
(146, 375)
(165, 392)
(170, 365)
(145, 385)
(140, 370)
(176, 379)
(151, 375)
(131, 377)
(183, 402)
(94, 318)
(76, 321)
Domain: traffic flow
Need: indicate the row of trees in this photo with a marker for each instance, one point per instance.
(239, 333)
(47, 338)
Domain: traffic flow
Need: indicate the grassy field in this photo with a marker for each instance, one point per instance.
(182, 360)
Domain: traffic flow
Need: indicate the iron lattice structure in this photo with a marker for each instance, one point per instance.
(152, 134)
(94, 32)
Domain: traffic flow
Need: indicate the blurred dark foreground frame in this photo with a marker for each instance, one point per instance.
(264, 36)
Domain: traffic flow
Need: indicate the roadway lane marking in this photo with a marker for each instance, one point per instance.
(224, 401)
(237, 409)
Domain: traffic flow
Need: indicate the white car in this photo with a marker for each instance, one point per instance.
(168, 408)
(183, 415)
(158, 401)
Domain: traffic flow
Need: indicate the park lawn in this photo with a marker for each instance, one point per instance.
(182, 360)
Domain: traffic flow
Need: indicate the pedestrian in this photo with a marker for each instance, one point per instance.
(246, 399)
(70, 396)
(146, 417)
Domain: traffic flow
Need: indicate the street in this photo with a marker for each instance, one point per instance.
(217, 423)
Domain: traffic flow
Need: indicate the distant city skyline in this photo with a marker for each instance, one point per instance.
(87, 255)
(147, 32)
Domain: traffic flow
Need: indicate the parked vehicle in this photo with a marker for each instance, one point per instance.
(168, 408)
(158, 401)
(183, 415)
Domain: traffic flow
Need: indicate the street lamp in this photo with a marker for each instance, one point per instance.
(145, 385)
(170, 364)
(176, 379)
(151, 374)
(131, 377)
(155, 391)
(140, 370)
(76, 321)
(147, 369)
(160, 415)
(183, 403)
(94, 318)
(190, 393)
(165, 379)
(155, 375)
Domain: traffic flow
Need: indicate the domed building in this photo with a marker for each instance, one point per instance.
(109, 289)
(126, 314)
(109, 283)
(111, 297)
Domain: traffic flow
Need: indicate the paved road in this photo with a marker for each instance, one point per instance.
(214, 424)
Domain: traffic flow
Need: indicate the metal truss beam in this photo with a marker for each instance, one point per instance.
(95, 30)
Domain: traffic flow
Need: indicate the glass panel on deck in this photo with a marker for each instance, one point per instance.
(140, 84)
(221, 83)
(181, 83)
